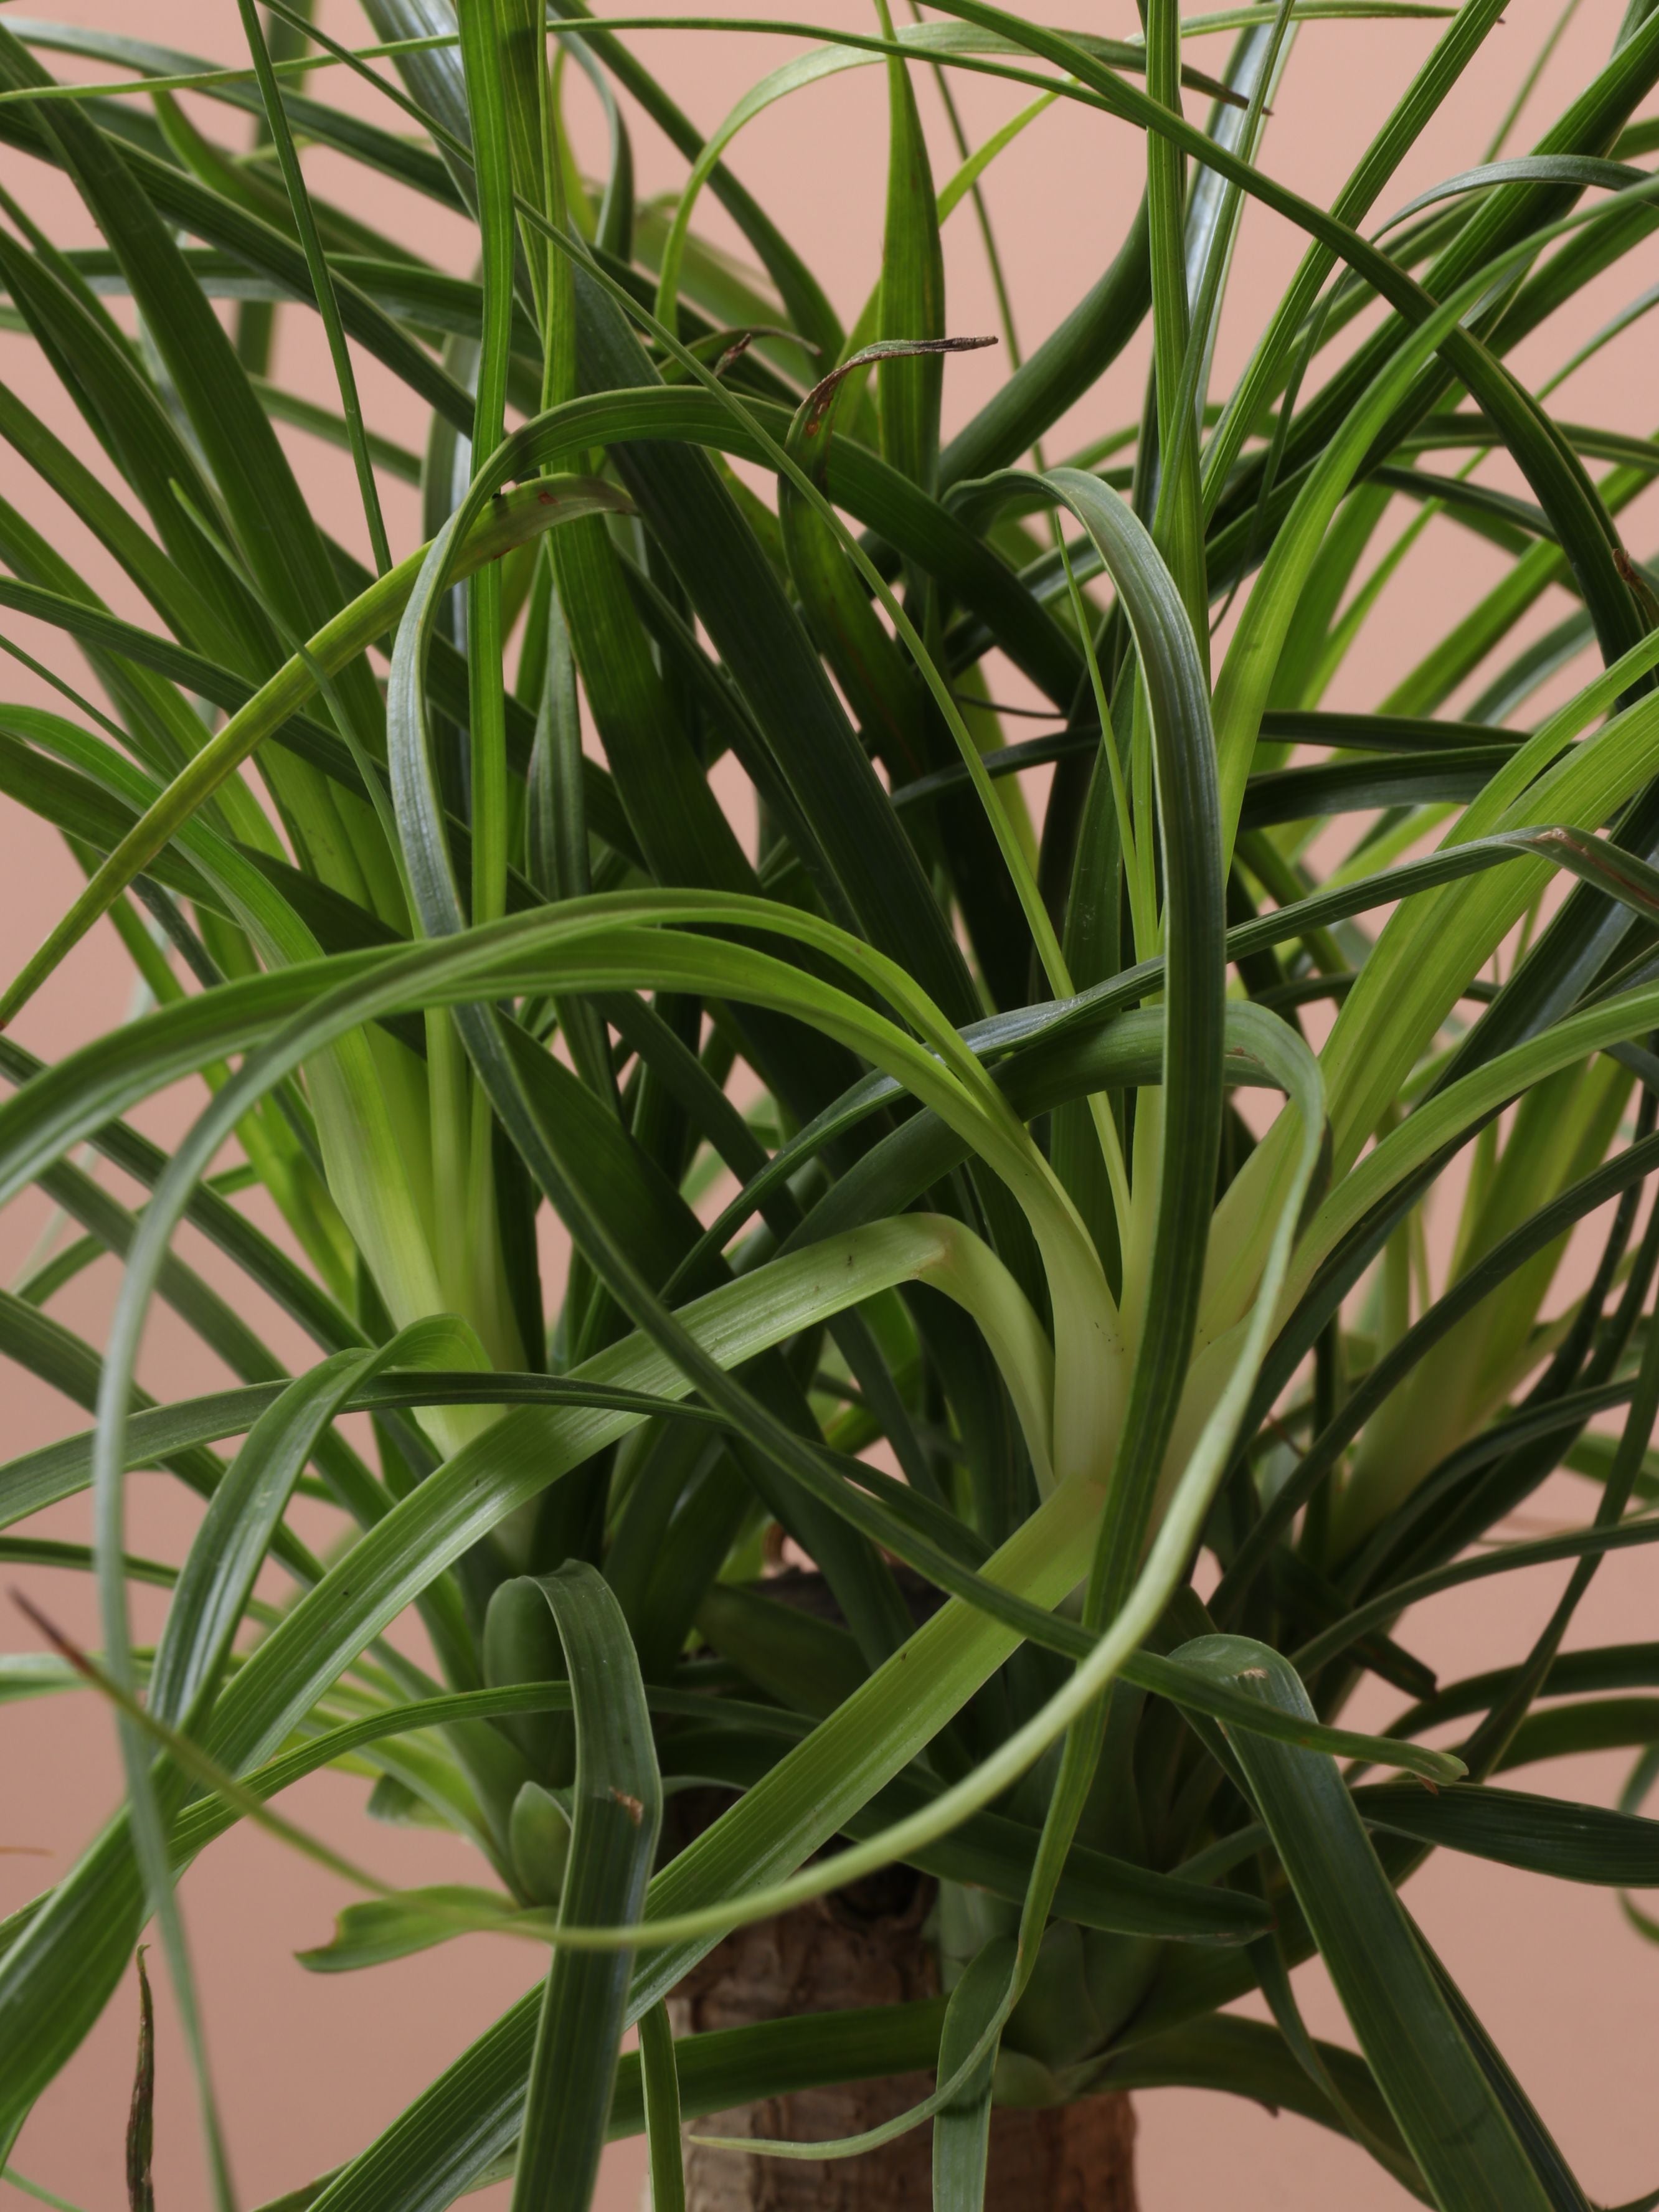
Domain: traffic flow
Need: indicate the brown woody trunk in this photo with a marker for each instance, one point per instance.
(864, 1947)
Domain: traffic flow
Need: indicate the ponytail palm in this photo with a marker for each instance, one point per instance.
(908, 1133)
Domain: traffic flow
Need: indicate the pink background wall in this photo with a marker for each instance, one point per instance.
(310, 2068)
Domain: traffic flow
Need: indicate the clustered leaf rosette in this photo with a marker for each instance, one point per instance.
(1022, 1210)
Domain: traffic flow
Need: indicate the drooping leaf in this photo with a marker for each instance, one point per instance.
(617, 1808)
(1438, 2093)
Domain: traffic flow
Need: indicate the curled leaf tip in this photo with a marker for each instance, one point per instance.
(812, 407)
(735, 351)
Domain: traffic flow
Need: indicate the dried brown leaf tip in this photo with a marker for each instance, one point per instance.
(140, 2119)
(816, 402)
(735, 351)
(744, 339)
(59, 1643)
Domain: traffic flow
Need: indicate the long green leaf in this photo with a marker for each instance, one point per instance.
(1439, 2096)
(616, 1801)
(660, 2083)
(1540, 1835)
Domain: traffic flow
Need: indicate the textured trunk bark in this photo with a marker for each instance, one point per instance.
(864, 1947)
